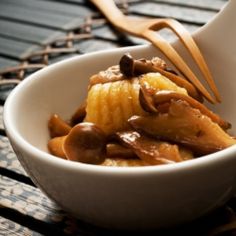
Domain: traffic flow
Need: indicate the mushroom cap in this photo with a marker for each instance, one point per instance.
(85, 143)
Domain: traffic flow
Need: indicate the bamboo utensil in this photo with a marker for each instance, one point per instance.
(146, 28)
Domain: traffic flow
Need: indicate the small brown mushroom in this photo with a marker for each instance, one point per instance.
(147, 102)
(131, 67)
(85, 143)
(146, 99)
(127, 65)
(57, 126)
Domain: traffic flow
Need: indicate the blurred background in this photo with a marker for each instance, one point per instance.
(34, 33)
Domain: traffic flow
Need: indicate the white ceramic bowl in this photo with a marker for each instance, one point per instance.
(128, 198)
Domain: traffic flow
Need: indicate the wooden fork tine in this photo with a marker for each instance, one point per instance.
(192, 47)
(145, 29)
(176, 59)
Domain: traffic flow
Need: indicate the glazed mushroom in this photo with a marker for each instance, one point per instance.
(117, 150)
(131, 67)
(185, 125)
(146, 99)
(150, 100)
(57, 126)
(85, 143)
(152, 151)
(166, 96)
(79, 114)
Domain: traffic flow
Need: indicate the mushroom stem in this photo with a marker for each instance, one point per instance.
(79, 114)
(57, 126)
(55, 146)
(117, 150)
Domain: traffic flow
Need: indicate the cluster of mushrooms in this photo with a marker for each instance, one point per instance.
(176, 126)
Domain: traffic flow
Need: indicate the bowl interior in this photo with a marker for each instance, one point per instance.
(62, 87)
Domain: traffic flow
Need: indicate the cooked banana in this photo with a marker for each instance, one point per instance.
(110, 105)
(156, 81)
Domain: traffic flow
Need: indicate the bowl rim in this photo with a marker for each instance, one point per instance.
(15, 137)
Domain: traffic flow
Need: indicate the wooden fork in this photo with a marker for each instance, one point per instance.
(145, 28)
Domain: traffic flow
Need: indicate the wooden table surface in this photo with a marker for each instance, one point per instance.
(35, 33)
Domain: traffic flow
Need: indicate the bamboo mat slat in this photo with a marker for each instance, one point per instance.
(28, 33)
(41, 18)
(202, 4)
(5, 62)
(187, 15)
(16, 49)
(51, 7)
